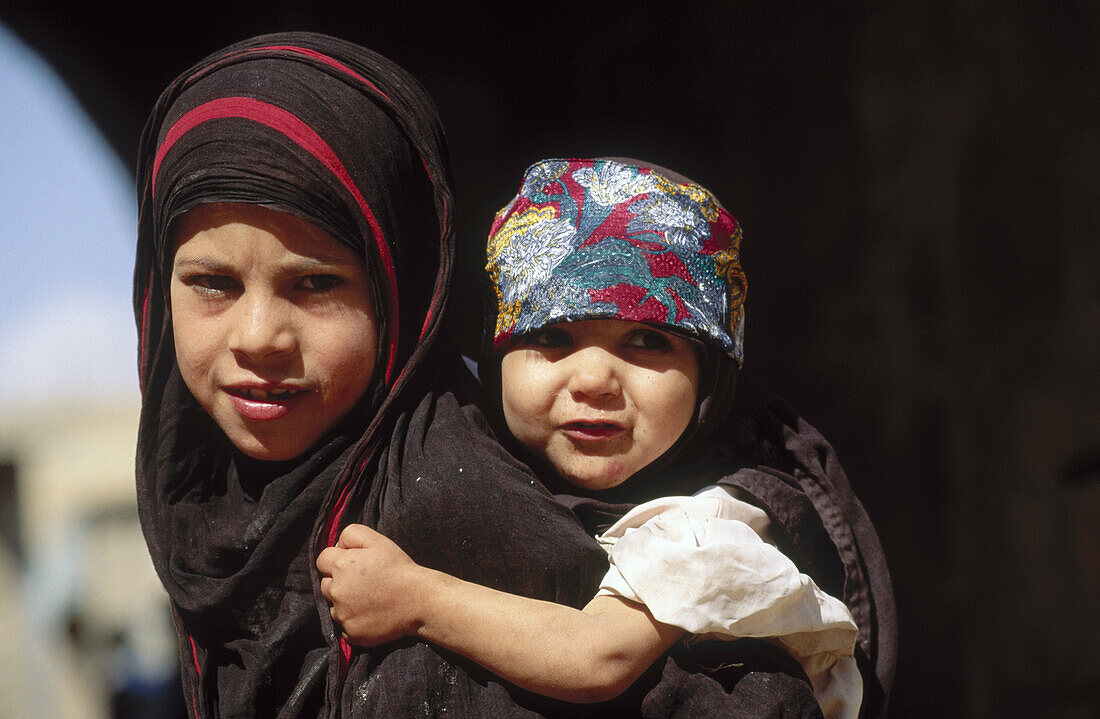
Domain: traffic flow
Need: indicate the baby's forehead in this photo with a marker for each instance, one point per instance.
(608, 324)
(611, 332)
(590, 239)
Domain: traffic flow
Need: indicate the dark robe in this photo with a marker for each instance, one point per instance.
(334, 134)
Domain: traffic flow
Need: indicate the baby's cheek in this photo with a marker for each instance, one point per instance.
(613, 468)
(521, 417)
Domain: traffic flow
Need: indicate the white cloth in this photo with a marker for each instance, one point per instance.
(703, 564)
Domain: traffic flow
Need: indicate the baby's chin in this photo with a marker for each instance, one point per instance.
(595, 473)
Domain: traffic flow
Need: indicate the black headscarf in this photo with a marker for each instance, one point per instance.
(336, 135)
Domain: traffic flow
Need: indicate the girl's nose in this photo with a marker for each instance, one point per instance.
(261, 328)
(593, 374)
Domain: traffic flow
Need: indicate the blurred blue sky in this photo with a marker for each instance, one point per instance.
(67, 227)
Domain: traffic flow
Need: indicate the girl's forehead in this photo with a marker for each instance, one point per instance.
(233, 228)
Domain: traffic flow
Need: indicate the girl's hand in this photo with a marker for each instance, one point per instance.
(372, 586)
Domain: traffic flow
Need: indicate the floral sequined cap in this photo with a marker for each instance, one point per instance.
(603, 239)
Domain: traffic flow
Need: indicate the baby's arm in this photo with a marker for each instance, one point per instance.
(379, 594)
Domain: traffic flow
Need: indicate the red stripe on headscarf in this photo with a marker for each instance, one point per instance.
(195, 656)
(198, 673)
(307, 138)
(334, 521)
(332, 62)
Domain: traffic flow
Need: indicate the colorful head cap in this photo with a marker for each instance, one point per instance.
(603, 239)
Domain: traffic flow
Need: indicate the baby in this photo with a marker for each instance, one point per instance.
(619, 330)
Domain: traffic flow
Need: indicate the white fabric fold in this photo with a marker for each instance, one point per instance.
(702, 564)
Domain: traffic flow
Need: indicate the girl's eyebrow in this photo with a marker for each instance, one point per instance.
(209, 264)
(294, 266)
(321, 261)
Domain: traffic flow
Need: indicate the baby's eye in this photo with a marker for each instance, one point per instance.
(649, 340)
(549, 337)
(320, 283)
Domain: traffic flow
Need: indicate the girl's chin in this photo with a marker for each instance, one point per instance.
(275, 445)
(270, 452)
(274, 431)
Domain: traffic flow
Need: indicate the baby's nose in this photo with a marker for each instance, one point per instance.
(593, 374)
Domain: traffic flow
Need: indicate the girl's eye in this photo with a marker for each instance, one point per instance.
(320, 283)
(550, 337)
(213, 284)
(649, 340)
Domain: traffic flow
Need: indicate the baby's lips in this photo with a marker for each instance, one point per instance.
(583, 429)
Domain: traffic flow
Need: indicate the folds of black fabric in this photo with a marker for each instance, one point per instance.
(456, 501)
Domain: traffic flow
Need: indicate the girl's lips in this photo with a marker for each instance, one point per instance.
(591, 431)
(263, 409)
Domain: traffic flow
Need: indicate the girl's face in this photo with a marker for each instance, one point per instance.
(274, 325)
(599, 399)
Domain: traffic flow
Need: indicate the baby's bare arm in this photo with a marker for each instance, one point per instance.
(371, 584)
(379, 594)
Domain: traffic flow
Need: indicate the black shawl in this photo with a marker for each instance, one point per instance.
(787, 468)
(332, 133)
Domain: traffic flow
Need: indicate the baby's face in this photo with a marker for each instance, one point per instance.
(274, 326)
(599, 399)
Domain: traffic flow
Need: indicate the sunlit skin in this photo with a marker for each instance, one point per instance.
(599, 399)
(274, 324)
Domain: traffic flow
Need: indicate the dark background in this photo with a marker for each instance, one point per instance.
(919, 191)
